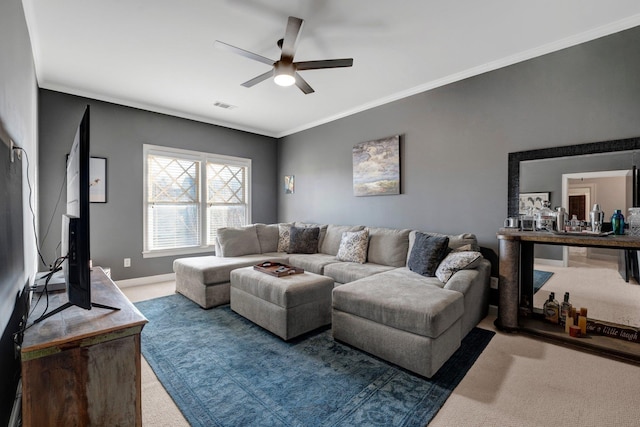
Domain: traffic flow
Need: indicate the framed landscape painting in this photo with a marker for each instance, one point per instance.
(376, 167)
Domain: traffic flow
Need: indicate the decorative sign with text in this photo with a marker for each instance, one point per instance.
(614, 331)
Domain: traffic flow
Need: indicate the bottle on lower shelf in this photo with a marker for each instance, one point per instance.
(551, 309)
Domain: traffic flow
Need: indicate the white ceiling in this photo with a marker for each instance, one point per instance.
(158, 55)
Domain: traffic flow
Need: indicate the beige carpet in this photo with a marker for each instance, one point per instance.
(596, 285)
(518, 381)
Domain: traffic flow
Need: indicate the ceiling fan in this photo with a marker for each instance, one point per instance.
(285, 71)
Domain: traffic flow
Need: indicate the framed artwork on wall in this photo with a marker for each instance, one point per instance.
(289, 184)
(531, 200)
(98, 180)
(376, 167)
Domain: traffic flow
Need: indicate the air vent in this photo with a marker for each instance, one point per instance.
(224, 105)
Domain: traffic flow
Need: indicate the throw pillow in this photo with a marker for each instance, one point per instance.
(304, 240)
(427, 252)
(238, 241)
(353, 246)
(464, 248)
(457, 261)
(284, 235)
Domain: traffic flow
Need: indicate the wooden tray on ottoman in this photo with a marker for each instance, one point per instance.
(277, 269)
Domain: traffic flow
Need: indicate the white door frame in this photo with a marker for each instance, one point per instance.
(592, 196)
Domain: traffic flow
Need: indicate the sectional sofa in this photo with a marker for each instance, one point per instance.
(406, 296)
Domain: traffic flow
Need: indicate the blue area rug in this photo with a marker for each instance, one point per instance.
(222, 370)
(540, 278)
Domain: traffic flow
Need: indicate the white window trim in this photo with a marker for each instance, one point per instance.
(204, 158)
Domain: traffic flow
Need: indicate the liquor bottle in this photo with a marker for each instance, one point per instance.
(551, 309)
(617, 222)
(565, 309)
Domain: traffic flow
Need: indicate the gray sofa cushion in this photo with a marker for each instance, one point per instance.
(303, 240)
(388, 246)
(403, 274)
(412, 306)
(427, 252)
(267, 237)
(331, 241)
(314, 263)
(287, 292)
(238, 241)
(345, 272)
(210, 270)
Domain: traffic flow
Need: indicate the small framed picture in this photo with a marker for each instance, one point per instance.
(289, 184)
(98, 180)
(531, 200)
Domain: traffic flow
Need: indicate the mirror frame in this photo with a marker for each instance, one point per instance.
(564, 151)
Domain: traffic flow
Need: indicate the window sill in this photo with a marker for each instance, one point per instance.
(177, 252)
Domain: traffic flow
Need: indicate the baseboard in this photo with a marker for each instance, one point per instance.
(545, 261)
(139, 281)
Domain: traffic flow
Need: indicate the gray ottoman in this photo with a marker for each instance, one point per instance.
(287, 306)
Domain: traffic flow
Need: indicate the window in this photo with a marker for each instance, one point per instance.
(188, 195)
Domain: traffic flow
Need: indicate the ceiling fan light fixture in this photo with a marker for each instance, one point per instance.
(284, 74)
(284, 80)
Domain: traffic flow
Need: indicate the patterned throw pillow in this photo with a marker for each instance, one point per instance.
(353, 246)
(304, 240)
(284, 235)
(457, 261)
(427, 252)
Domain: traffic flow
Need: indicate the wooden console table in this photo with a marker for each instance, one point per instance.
(82, 367)
(515, 290)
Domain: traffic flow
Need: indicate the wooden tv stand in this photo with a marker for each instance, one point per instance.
(82, 367)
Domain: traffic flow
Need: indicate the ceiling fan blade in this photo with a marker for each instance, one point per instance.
(303, 85)
(291, 37)
(327, 63)
(242, 52)
(254, 81)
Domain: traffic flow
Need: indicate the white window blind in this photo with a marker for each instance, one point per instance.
(188, 196)
(226, 197)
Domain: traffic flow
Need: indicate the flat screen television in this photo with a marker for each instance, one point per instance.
(75, 221)
(75, 245)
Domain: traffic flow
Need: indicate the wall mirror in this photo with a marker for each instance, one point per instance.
(592, 277)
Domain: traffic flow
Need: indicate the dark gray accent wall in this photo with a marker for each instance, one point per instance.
(457, 137)
(118, 133)
(18, 122)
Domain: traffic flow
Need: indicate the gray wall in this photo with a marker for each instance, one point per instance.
(457, 137)
(18, 122)
(118, 134)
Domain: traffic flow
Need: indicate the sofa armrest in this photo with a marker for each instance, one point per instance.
(474, 284)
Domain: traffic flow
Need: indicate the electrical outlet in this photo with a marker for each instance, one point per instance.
(127, 262)
(494, 283)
